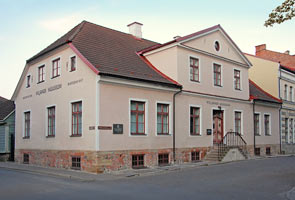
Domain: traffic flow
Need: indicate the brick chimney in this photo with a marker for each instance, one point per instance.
(260, 48)
(135, 29)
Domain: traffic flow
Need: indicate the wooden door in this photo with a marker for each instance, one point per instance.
(217, 128)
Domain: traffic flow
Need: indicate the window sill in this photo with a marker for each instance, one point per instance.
(78, 135)
(239, 90)
(73, 70)
(28, 86)
(50, 136)
(191, 134)
(26, 137)
(194, 81)
(268, 135)
(55, 76)
(40, 82)
(217, 85)
(138, 134)
(163, 134)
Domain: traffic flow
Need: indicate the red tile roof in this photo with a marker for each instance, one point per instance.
(110, 52)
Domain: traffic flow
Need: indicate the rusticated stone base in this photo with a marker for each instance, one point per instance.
(103, 161)
(106, 161)
(4, 157)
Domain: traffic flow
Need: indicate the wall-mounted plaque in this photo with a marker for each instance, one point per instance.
(117, 128)
(209, 131)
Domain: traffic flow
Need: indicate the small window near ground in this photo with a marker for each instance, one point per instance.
(163, 159)
(76, 162)
(138, 161)
(257, 152)
(26, 158)
(73, 63)
(267, 151)
(195, 156)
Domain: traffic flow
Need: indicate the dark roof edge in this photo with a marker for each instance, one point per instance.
(35, 57)
(272, 102)
(287, 69)
(266, 93)
(139, 79)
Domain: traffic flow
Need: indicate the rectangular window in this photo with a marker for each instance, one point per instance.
(291, 93)
(266, 124)
(257, 151)
(237, 79)
(27, 124)
(257, 124)
(194, 121)
(137, 122)
(217, 74)
(291, 130)
(195, 156)
(267, 151)
(26, 158)
(162, 119)
(76, 162)
(286, 92)
(28, 81)
(51, 122)
(73, 63)
(194, 69)
(77, 119)
(238, 122)
(163, 159)
(286, 130)
(138, 161)
(41, 74)
(55, 68)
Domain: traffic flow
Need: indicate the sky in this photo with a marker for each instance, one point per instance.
(28, 26)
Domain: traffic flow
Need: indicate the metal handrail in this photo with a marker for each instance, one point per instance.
(231, 140)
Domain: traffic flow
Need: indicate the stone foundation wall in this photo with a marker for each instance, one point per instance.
(103, 161)
(274, 149)
(106, 161)
(4, 157)
(288, 148)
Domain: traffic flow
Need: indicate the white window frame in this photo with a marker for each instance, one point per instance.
(145, 117)
(60, 66)
(46, 119)
(269, 123)
(189, 72)
(37, 74)
(23, 128)
(221, 75)
(70, 117)
(70, 64)
(170, 118)
(260, 128)
(242, 120)
(189, 119)
(241, 85)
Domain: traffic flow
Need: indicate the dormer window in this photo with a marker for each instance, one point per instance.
(73, 63)
(217, 46)
(28, 81)
(194, 69)
(56, 68)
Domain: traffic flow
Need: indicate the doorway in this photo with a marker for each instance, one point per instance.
(217, 126)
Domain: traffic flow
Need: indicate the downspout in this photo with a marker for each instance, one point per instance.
(254, 124)
(174, 119)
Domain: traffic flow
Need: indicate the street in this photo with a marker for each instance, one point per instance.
(272, 178)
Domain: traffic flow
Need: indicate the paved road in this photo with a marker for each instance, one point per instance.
(254, 179)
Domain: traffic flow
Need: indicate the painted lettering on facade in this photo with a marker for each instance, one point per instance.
(41, 92)
(55, 87)
(75, 82)
(28, 96)
(217, 103)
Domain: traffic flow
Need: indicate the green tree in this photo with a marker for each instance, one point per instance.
(284, 12)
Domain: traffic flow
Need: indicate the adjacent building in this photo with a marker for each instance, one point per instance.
(279, 82)
(98, 100)
(7, 124)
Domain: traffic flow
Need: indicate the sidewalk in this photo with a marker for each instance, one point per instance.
(85, 176)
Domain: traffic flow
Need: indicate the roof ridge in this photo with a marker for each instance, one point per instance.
(80, 26)
(259, 88)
